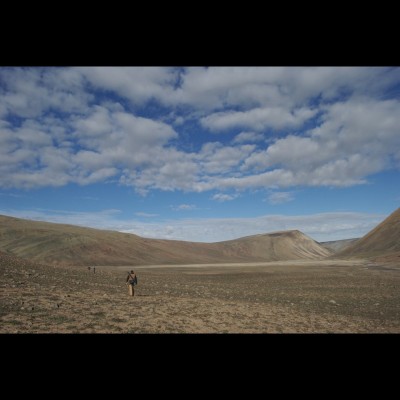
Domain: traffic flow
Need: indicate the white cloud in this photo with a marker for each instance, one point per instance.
(356, 138)
(224, 197)
(258, 118)
(280, 197)
(321, 227)
(214, 158)
(138, 84)
(147, 215)
(248, 137)
(184, 207)
(28, 92)
(249, 88)
(67, 133)
(89, 148)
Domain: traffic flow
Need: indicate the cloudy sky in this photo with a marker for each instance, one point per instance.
(202, 154)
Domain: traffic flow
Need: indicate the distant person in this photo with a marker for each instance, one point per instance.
(94, 270)
(88, 268)
(131, 280)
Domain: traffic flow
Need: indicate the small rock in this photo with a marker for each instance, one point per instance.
(332, 301)
(376, 304)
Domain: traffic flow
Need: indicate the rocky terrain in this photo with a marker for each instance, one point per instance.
(280, 297)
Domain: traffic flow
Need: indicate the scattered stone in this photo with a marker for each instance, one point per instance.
(332, 301)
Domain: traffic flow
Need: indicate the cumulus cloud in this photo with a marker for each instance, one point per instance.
(258, 118)
(87, 149)
(224, 197)
(28, 92)
(355, 139)
(280, 197)
(86, 125)
(138, 84)
(248, 137)
(287, 88)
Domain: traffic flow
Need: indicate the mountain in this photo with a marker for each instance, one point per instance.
(277, 246)
(338, 245)
(59, 244)
(382, 241)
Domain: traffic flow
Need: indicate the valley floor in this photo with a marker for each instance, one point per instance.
(284, 297)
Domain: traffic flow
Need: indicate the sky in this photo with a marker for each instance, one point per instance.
(202, 153)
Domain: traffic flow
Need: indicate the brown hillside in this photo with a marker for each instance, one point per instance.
(8, 260)
(338, 245)
(384, 240)
(59, 244)
(277, 246)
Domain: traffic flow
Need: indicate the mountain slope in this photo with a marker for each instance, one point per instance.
(383, 240)
(338, 245)
(59, 244)
(277, 246)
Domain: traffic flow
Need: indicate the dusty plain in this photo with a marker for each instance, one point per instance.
(319, 296)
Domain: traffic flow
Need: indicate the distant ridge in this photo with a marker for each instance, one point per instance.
(382, 241)
(60, 244)
(338, 245)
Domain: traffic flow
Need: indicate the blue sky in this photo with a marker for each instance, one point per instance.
(202, 154)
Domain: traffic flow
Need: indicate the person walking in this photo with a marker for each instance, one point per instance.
(131, 280)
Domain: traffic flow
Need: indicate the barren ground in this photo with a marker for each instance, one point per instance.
(277, 297)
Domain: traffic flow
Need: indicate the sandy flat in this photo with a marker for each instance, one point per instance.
(279, 297)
